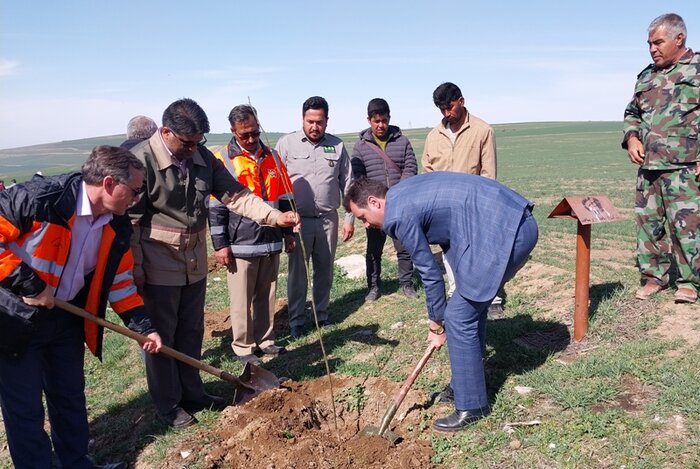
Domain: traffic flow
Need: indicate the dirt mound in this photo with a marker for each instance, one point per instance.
(293, 427)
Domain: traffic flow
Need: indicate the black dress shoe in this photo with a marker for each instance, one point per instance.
(178, 418)
(297, 331)
(459, 419)
(273, 350)
(207, 402)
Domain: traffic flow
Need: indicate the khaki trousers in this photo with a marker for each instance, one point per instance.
(252, 285)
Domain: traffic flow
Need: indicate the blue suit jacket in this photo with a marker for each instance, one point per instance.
(473, 219)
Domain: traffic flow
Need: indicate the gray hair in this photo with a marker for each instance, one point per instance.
(241, 113)
(109, 161)
(140, 127)
(672, 23)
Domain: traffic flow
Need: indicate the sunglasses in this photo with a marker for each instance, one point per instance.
(188, 143)
(248, 135)
(136, 192)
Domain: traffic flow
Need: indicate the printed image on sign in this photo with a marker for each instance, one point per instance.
(587, 209)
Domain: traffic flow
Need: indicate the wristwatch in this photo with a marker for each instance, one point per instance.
(439, 331)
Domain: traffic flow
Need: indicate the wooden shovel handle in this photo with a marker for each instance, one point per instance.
(401, 394)
(165, 350)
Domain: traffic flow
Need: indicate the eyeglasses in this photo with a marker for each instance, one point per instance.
(248, 135)
(188, 143)
(136, 192)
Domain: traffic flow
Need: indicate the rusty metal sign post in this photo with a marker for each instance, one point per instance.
(586, 210)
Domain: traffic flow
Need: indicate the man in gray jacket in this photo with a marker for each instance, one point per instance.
(319, 167)
(384, 154)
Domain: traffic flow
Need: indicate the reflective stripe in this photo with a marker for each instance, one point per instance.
(256, 249)
(119, 294)
(46, 270)
(123, 277)
(217, 230)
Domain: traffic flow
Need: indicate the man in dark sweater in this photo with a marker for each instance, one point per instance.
(384, 154)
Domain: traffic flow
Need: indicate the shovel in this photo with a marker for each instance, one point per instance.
(252, 381)
(383, 429)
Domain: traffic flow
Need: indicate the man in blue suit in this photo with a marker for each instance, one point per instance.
(486, 231)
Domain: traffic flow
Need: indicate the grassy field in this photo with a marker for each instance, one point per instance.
(627, 396)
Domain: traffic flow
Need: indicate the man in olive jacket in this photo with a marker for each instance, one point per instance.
(170, 249)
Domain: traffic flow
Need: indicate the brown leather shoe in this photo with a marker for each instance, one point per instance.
(685, 295)
(648, 290)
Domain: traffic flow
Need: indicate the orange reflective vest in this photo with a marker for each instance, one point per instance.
(265, 175)
(35, 237)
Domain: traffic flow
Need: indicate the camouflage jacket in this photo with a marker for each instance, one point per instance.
(665, 114)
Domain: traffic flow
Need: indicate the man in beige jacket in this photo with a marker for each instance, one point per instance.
(460, 143)
(170, 249)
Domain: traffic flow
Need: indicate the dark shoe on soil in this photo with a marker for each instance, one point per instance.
(447, 395)
(648, 290)
(324, 323)
(250, 358)
(685, 295)
(273, 350)
(373, 294)
(459, 419)
(297, 331)
(207, 402)
(409, 292)
(495, 312)
(178, 418)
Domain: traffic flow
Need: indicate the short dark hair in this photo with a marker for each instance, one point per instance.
(186, 117)
(446, 94)
(105, 160)
(377, 106)
(361, 189)
(241, 113)
(315, 102)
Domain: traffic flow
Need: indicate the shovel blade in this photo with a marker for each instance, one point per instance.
(371, 430)
(257, 380)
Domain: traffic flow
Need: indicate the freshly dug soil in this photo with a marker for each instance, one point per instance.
(293, 427)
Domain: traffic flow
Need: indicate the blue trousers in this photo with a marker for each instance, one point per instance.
(465, 325)
(53, 365)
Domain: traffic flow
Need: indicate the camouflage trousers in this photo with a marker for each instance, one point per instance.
(668, 214)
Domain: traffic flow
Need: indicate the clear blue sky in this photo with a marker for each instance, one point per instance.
(75, 69)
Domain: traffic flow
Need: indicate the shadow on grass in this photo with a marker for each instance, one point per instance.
(121, 433)
(516, 345)
(597, 294)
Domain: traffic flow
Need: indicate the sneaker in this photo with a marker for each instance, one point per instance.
(685, 295)
(373, 294)
(207, 402)
(409, 292)
(648, 290)
(273, 350)
(495, 312)
(250, 358)
(178, 418)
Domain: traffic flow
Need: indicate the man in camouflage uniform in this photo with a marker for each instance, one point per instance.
(661, 135)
